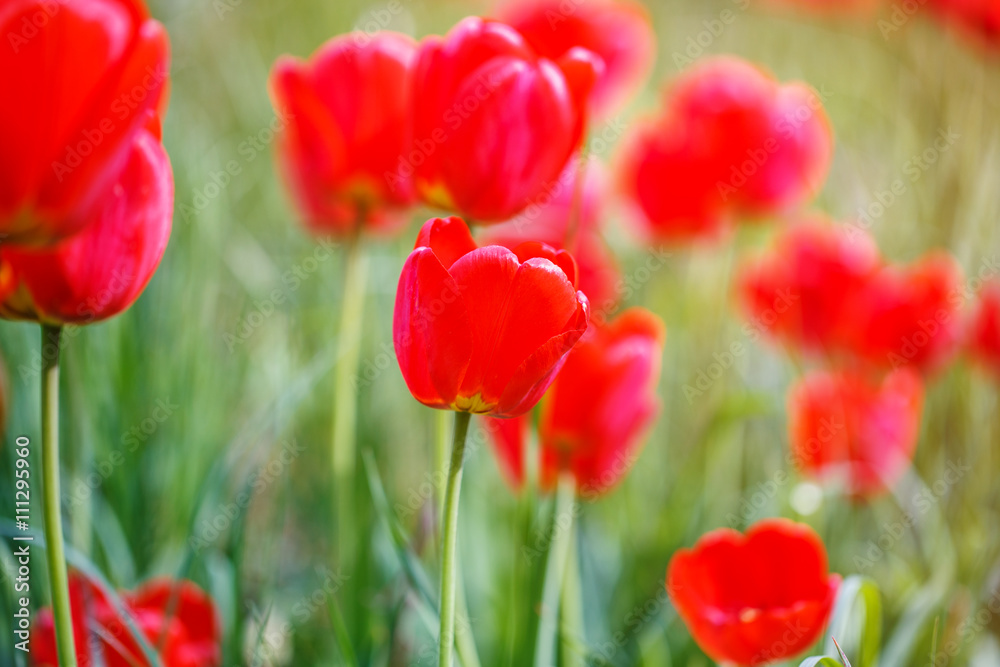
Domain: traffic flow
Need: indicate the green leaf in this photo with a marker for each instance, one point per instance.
(820, 661)
(857, 616)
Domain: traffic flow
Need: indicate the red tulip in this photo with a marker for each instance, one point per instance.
(732, 143)
(79, 80)
(495, 124)
(984, 333)
(349, 112)
(978, 18)
(803, 289)
(176, 615)
(484, 330)
(618, 31)
(755, 599)
(909, 315)
(844, 427)
(102, 270)
(570, 220)
(597, 411)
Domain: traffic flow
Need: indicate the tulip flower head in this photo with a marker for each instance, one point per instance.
(619, 32)
(739, 594)
(495, 123)
(484, 329)
(102, 270)
(984, 331)
(77, 90)
(348, 110)
(732, 143)
(848, 429)
(174, 615)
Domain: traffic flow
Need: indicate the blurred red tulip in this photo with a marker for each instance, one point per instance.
(175, 615)
(979, 19)
(102, 270)
(349, 115)
(495, 124)
(802, 290)
(984, 333)
(859, 433)
(570, 220)
(597, 411)
(79, 80)
(755, 599)
(618, 31)
(909, 315)
(484, 330)
(732, 143)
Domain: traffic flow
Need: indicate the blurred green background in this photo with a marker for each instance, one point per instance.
(208, 387)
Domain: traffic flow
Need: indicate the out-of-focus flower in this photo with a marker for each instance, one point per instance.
(569, 218)
(979, 19)
(495, 123)
(848, 429)
(829, 7)
(102, 270)
(618, 31)
(175, 615)
(484, 330)
(909, 315)
(803, 288)
(984, 331)
(732, 143)
(597, 411)
(349, 122)
(739, 595)
(79, 80)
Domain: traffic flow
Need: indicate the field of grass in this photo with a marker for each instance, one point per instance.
(219, 381)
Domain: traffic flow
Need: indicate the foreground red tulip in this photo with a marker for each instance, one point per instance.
(618, 31)
(979, 19)
(845, 428)
(495, 124)
(732, 143)
(570, 220)
(78, 80)
(176, 615)
(597, 411)
(102, 270)
(910, 315)
(803, 289)
(349, 115)
(755, 599)
(984, 331)
(484, 330)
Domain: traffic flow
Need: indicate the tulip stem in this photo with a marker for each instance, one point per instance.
(572, 610)
(58, 578)
(446, 637)
(345, 398)
(560, 540)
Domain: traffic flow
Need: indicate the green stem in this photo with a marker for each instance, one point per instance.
(58, 579)
(446, 636)
(441, 442)
(345, 396)
(572, 610)
(555, 569)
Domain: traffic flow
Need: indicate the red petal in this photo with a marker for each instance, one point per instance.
(449, 238)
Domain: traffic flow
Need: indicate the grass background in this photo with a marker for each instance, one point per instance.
(238, 403)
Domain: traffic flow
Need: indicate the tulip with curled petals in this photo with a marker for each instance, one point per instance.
(494, 122)
(984, 329)
(102, 270)
(617, 31)
(738, 594)
(732, 143)
(348, 111)
(597, 412)
(802, 289)
(852, 430)
(79, 80)
(484, 329)
(174, 615)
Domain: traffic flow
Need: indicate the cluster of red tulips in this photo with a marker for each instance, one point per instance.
(489, 123)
